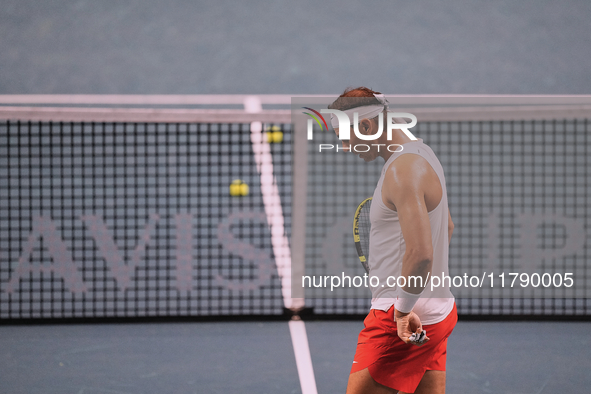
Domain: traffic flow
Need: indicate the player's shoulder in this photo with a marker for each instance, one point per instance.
(408, 167)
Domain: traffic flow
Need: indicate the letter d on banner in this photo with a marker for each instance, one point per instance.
(532, 252)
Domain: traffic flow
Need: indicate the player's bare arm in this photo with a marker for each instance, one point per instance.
(411, 187)
(450, 226)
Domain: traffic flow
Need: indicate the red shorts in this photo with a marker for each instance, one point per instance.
(393, 363)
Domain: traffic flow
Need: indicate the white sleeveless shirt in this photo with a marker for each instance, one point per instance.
(387, 245)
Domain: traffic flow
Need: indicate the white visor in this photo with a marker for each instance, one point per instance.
(364, 112)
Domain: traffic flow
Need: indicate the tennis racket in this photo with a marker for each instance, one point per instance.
(361, 228)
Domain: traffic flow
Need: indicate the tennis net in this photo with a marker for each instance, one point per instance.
(126, 212)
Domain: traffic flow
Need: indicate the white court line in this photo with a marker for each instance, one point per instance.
(272, 203)
(274, 212)
(301, 349)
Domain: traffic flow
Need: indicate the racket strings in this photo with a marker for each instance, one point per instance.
(364, 228)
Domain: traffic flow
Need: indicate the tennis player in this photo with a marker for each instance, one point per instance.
(410, 233)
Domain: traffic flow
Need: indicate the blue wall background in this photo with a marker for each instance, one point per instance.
(303, 47)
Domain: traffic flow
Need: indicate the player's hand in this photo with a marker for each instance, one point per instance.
(410, 328)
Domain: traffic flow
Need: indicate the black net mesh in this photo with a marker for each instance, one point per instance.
(520, 197)
(136, 219)
(110, 220)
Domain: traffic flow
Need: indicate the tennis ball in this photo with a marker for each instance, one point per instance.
(277, 137)
(244, 189)
(238, 188)
(274, 135)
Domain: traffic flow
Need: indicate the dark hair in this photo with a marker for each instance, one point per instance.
(355, 97)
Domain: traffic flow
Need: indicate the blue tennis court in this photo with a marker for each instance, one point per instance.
(257, 357)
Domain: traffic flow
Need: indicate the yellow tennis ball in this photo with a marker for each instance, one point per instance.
(235, 187)
(244, 189)
(238, 188)
(277, 137)
(274, 134)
